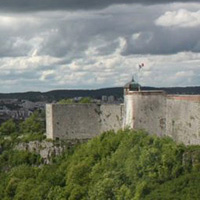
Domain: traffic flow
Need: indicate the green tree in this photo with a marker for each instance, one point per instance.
(11, 187)
(128, 165)
(56, 193)
(8, 127)
(86, 100)
(34, 124)
(66, 101)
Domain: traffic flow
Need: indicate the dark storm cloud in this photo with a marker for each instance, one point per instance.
(45, 50)
(70, 36)
(103, 31)
(36, 5)
(152, 42)
(10, 48)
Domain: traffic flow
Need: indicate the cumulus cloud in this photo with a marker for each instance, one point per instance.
(180, 18)
(97, 48)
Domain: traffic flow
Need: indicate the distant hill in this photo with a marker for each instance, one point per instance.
(56, 95)
(177, 90)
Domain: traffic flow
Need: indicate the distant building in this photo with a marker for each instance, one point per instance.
(18, 109)
(77, 99)
(111, 99)
(28, 104)
(104, 98)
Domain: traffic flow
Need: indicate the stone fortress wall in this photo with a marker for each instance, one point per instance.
(145, 110)
(183, 119)
(82, 121)
(177, 116)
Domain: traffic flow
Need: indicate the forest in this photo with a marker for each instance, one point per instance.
(127, 165)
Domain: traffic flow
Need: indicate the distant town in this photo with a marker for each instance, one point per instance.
(19, 106)
(19, 110)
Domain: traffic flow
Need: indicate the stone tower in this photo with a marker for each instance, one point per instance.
(144, 109)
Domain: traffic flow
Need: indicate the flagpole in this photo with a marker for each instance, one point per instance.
(139, 77)
(140, 67)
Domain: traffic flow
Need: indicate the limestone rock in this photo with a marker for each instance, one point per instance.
(45, 149)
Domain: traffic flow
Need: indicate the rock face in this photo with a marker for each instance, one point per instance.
(45, 149)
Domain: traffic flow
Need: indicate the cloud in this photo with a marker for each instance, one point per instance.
(38, 5)
(180, 18)
(97, 48)
(68, 35)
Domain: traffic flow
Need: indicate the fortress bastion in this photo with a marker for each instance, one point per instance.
(177, 116)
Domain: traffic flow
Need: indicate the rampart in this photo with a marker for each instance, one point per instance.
(82, 121)
(177, 116)
(183, 119)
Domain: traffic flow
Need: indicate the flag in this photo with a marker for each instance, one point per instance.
(141, 65)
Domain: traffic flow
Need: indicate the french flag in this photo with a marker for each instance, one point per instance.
(141, 65)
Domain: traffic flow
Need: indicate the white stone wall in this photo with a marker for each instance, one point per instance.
(183, 121)
(153, 111)
(49, 121)
(157, 113)
(81, 121)
(111, 117)
(73, 121)
(129, 109)
(146, 110)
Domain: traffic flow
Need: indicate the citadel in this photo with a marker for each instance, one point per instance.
(155, 111)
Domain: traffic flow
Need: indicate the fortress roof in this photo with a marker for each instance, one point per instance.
(132, 85)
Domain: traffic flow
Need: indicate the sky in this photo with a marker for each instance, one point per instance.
(89, 44)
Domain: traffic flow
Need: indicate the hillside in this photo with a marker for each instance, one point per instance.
(128, 165)
(56, 95)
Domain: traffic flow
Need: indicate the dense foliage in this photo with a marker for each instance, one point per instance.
(12, 133)
(32, 127)
(72, 101)
(127, 165)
